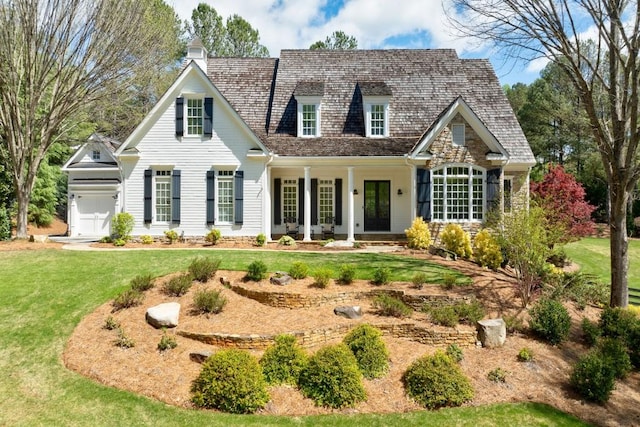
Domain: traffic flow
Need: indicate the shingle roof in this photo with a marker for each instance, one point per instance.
(420, 85)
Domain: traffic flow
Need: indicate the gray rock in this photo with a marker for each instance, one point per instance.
(492, 332)
(200, 356)
(163, 315)
(281, 279)
(350, 312)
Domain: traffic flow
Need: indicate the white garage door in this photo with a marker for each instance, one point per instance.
(94, 215)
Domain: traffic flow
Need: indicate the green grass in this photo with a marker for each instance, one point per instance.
(45, 293)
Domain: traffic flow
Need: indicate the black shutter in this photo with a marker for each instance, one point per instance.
(277, 201)
(238, 192)
(338, 196)
(493, 188)
(314, 201)
(208, 116)
(211, 195)
(300, 201)
(424, 193)
(175, 197)
(148, 178)
(179, 116)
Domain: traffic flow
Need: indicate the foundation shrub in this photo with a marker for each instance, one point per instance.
(142, 282)
(381, 276)
(119, 242)
(593, 377)
(146, 239)
(299, 270)
(230, 381)
(437, 381)
(178, 285)
(213, 236)
(550, 321)
(332, 378)
(322, 277)
(418, 235)
(172, 236)
(127, 298)
(286, 241)
(390, 306)
(486, 250)
(283, 361)
(347, 274)
(203, 268)
(365, 342)
(121, 226)
(261, 239)
(456, 240)
(208, 301)
(256, 271)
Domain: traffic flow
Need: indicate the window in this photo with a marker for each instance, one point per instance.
(225, 196)
(290, 199)
(95, 155)
(376, 119)
(458, 136)
(194, 116)
(163, 195)
(507, 186)
(458, 193)
(325, 199)
(309, 120)
(309, 116)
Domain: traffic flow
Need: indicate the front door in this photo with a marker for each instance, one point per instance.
(377, 206)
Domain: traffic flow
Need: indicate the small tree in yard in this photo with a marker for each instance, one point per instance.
(562, 199)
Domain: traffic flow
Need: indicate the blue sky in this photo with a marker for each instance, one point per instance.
(376, 24)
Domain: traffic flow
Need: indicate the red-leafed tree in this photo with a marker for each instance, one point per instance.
(562, 199)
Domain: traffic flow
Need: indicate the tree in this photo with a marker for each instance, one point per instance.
(236, 38)
(604, 73)
(337, 40)
(562, 199)
(57, 57)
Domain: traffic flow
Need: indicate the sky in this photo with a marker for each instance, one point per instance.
(376, 24)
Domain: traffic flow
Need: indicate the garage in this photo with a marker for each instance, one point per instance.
(94, 213)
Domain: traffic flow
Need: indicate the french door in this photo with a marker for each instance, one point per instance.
(377, 206)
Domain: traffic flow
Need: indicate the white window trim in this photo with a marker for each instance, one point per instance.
(454, 141)
(224, 178)
(186, 115)
(331, 183)
(470, 168)
(309, 100)
(368, 104)
(154, 196)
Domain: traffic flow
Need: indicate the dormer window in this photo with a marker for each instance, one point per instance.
(457, 132)
(375, 100)
(308, 96)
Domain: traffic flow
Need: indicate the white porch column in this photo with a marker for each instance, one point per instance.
(307, 204)
(350, 204)
(266, 202)
(413, 193)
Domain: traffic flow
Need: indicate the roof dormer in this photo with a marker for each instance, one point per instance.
(308, 97)
(198, 53)
(375, 104)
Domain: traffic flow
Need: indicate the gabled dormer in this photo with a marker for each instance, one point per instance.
(96, 153)
(308, 97)
(375, 105)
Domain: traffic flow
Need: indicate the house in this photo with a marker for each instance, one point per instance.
(359, 140)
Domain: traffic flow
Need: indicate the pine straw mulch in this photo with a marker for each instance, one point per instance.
(167, 376)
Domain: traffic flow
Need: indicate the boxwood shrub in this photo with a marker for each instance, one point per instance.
(283, 361)
(365, 342)
(550, 320)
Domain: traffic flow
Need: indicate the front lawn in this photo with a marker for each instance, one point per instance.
(45, 293)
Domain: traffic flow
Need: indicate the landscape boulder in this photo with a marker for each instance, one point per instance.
(492, 332)
(200, 356)
(281, 279)
(350, 312)
(163, 315)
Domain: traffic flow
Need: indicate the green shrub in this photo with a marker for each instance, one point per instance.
(127, 298)
(142, 282)
(256, 271)
(579, 287)
(105, 239)
(123, 340)
(208, 301)
(146, 239)
(5, 224)
(525, 354)
(171, 235)
(614, 352)
(444, 315)
(550, 320)
(449, 280)
(514, 324)
(471, 312)
(299, 270)
(454, 313)
(332, 378)
(617, 323)
(365, 342)
(167, 342)
(456, 240)
(593, 378)
(419, 279)
(486, 250)
(455, 352)
(178, 285)
(213, 236)
(381, 276)
(390, 306)
(202, 268)
(119, 242)
(590, 331)
(111, 324)
(121, 225)
(347, 274)
(436, 381)
(282, 362)
(497, 375)
(261, 239)
(322, 277)
(230, 381)
(286, 241)
(418, 236)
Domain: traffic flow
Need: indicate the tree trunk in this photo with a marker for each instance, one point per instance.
(619, 245)
(23, 208)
